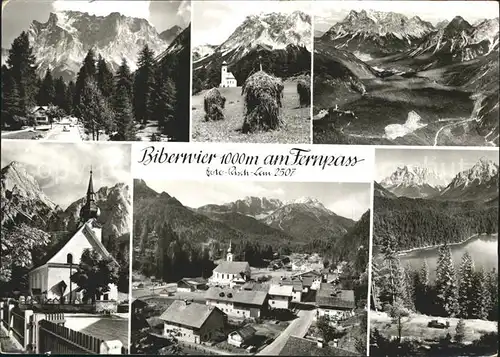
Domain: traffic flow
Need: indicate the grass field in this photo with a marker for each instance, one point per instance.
(416, 327)
(297, 128)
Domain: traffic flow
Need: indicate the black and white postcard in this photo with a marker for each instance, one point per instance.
(435, 245)
(252, 71)
(406, 73)
(96, 70)
(66, 222)
(266, 268)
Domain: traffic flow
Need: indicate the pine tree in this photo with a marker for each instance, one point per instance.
(11, 101)
(94, 110)
(47, 90)
(465, 293)
(104, 77)
(124, 117)
(408, 276)
(124, 79)
(87, 72)
(163, 102)
(22, 65)
(144, 85)
(460, 331)
(446, 287)
(60, 97)
(480, 296)
(492, 291)
(70, 95)
(391, 287)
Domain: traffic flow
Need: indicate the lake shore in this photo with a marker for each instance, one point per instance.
(431, 247)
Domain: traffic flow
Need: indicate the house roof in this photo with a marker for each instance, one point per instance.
(309, 272)
(193, 281)
(229, 75)
(329, 296)
(281, 290)
(296, 284)
(188, 314)
(296, 346)
(245, 332)
(248, 297)
(228, 267)
(86, 230)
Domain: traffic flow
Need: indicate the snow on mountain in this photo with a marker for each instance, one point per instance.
(202, 51)
(310, 201)
(272, 31)
(483, 171)
(413, 181)
(62, 42)
(487, 30)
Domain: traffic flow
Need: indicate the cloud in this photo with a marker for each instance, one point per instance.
(352, 206)
(138, 9)
(62, 170)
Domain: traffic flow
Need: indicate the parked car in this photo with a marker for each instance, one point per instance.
(437, 324)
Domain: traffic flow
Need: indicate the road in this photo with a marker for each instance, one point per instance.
(58, 134)
(457, 122)
(298, 328)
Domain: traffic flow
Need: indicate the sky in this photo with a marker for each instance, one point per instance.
(62, 170)
(447, 163)
(328, 13)
(215, 21)
(349, 200)
(17, 15)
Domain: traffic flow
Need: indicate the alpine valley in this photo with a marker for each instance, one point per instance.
(418, 208)
(29, 214)
(385, 78)
(168, 233)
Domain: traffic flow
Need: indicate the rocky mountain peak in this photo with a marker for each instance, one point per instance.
(413, 175)
(309, 201)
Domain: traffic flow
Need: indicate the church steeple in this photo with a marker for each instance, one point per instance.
(89, 209)
(229, 256)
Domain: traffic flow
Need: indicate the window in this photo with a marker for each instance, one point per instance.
(69, 258)
(106, 297)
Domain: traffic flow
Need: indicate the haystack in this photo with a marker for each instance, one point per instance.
(304, 91)
(263, 94)
(214, 104)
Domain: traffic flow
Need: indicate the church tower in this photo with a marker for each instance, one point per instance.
(89, 209)
(223, 74)
(229, 256)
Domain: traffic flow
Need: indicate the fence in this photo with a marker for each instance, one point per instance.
(18, 324)
(58, 339)
(5, 314)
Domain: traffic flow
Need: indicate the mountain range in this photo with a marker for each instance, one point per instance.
(418, 214)
(479, 183)
(254, 219)
(23, 201)
(272, 39)
(396, 63)
(62, 42)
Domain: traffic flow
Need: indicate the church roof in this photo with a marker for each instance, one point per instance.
(229, 75)
(86, 230)
(228, 267)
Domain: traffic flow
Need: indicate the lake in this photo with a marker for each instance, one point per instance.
(483, 250)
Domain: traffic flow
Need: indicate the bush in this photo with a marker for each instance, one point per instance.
(304, 91)
(460, 331)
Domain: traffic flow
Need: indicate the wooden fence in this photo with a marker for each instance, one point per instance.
(58, 339)
(18, 325)
(5, 315)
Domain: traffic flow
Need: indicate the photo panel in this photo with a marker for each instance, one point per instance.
(252, 71)
(66, 224)
(406, 73)
(92, 70)
(271, 268)
(434, 276)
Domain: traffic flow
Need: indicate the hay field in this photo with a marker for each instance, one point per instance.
(296, 129)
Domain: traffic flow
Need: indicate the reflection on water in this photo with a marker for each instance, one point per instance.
(483, 250)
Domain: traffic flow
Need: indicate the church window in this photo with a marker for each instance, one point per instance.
(69, 258)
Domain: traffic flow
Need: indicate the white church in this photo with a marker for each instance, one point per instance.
(51, 280)
(230, 273)
(227, 79)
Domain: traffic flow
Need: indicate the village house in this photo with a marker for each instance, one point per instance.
(242, 336)
(51, 278)
(335, 303)
(193, 322)
(227, 79)
(40, 114)
(237, 303)
(310, 279)
(280, 296)
(229, 272)
(191, 284)
(297, 288)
